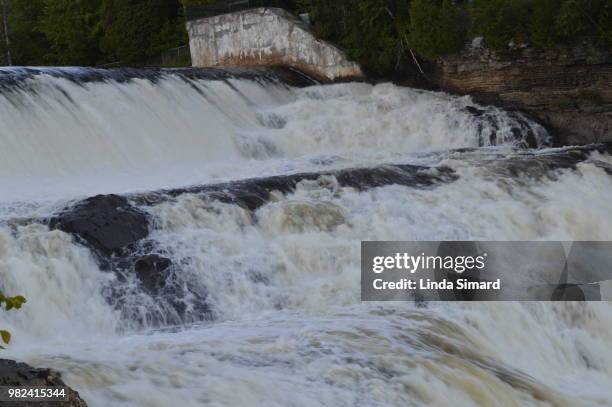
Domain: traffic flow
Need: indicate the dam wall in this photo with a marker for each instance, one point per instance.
(266, 37)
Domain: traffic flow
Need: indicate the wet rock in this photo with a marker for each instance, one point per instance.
(171, 286)
(152, 271)
(20, 374)
(526, 132)
(540, 166)
(108, 224)
(254, 193)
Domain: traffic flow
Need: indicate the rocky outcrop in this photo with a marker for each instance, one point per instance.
(107, 223)
(251, 194)
(117, 228)
(266, 37)
(567, 88)
(152, 271)
(20, 374)
(114, 226)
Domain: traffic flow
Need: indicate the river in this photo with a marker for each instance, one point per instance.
(284, 324)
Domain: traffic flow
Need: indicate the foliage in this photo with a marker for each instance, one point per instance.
(132, 29)
(28, 45)
(9, 304)
(542, 23)
(89, 32)
(374, 32)
(584, 18)
(436, 28)
(501, 21)
(72, 27)
(370, 31)
(196, 2)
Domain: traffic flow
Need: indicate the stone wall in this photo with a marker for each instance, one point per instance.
(266, 37)
(568, 88)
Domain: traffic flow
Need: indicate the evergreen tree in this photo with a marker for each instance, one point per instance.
(73, 29)
(28, 44)
(436, 27)
(131, 28)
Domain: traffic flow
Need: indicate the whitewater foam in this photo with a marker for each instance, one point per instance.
(282, 281)
(70, 132)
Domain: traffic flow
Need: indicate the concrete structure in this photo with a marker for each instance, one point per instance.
(266, 37)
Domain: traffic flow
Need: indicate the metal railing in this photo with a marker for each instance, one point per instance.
(174, 57)
(230, 6)
(179, 56)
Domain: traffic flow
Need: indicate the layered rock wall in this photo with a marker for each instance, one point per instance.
(568, 88)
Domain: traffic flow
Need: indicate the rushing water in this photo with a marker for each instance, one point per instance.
(282, 283)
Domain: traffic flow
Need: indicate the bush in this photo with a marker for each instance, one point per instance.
(132, 30)
(501, 21)
(543, 23)
(366, 30)
(9, 304)
(436, 28)
(586, 18)
(542, 27)
(72, 28)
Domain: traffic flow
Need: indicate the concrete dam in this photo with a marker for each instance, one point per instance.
(266, 36)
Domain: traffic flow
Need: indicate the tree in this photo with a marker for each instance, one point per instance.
(586, 18)
(73, 30)
(368, 30)
(542, 27)
(6, 44)
(436, 28)
(28, 44)
(9, 304)
(131, 28)
(196, 2)
(501, 21)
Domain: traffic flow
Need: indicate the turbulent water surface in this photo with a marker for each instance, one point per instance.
(284, 324)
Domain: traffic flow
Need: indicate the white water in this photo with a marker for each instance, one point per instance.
(63, 138)
(284, 282)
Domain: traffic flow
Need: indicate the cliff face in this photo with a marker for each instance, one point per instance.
(266, 37)
(568, 88)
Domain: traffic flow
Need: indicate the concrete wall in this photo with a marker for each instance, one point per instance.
(266, 37)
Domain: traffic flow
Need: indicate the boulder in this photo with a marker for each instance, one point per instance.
(20, 374)
(152, 271)
(106, 223)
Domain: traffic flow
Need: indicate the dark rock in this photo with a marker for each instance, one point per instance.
(171, 286)
(107, 223)
(152, 271)
(20, 374)
(525, 130)
(539, 166)
(254, 193)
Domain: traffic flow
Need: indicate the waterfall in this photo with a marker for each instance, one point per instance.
(260, 304)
